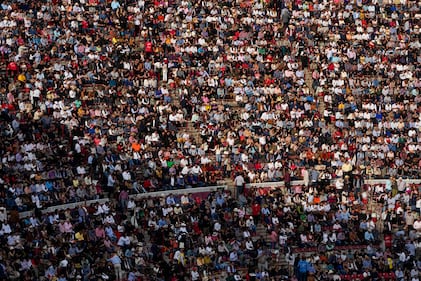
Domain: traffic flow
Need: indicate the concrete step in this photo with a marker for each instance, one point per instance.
(193, 132)
(309, 81)
(226, 181)
(228, 101)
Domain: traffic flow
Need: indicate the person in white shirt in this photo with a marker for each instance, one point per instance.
(127, 176)
(217, 226)
(195, 274)
(109, 219)
(105, 208)
(124, 241)
(131, 204)
(81, 170)
(185, 170)
(233, 256)
(414, 274)
(184, 200)
(12, 240)
(5, 229)
(34, 222)
(417, 225)
(249, 244)
(196, 170)
(239, 183)
(26, 264)
(179, 257)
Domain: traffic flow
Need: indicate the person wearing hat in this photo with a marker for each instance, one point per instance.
(178, 210)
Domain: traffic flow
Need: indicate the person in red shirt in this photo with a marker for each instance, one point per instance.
(338, 134)
(255, 212)
(148, 47)
(257, 165)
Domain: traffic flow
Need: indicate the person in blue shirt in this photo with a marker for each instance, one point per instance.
(116, 261)
(115, 5)
(400, 276)
(162, 222)
(363, 225)
(62, 278)
(170, 200)
(311, 269)
(220, 200)
(368, 236)
(302, 271)
(367, 263)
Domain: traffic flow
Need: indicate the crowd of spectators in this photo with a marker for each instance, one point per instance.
(97, 94)
(269, 233)
(110, 98)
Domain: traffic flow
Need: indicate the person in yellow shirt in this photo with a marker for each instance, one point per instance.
(347, 168)
(79, 236)
(200, 261)
(80, 112)
(207, 259)
(22, 77)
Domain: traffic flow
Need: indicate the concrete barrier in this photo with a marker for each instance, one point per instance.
(64, 207)
(301, 182)
(384, 181)
(135, 196)
(180, 191)
(195, 190)
(273, 184)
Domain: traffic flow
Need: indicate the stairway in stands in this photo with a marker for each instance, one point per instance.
(280, 260)
(319, 99)
(193, 132)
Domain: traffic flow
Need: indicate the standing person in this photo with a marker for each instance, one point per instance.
(287, 178)
(123, 198)
(179, 257)
(111, 181)
(285, 16)
(195, 274)
(302, 269)
(291, 259)
(116, 261)
(256, 212)
(239, 183)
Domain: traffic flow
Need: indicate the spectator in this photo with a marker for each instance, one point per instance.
(116, 262)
